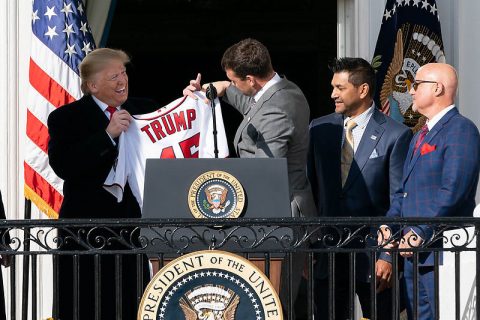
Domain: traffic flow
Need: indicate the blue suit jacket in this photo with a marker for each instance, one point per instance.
(442, 182)
(374, 177)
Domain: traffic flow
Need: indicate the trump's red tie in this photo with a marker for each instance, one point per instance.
(111, 110)
(421, 137)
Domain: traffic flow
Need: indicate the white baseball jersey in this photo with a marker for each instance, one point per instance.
(182, 129)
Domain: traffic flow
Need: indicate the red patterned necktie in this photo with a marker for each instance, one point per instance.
(111, 110)
(420, 139)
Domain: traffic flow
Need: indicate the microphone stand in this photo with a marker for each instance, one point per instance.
(211, 94)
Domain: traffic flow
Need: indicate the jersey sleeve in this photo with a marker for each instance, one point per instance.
(136, 159)
(117, 177)
(207, 145)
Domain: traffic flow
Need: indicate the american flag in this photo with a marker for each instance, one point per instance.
(61, 38)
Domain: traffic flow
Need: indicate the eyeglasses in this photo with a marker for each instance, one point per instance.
(416, 83)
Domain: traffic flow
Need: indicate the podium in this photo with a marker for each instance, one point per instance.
(216, 188)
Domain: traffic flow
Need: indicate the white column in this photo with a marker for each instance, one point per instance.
(9, 138)
(358, 24)
(9, 157)
(467, 62)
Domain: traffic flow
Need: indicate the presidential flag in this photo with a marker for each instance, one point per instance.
(61, 38)
(410, 36)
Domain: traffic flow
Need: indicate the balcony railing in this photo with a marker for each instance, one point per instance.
(269, 240)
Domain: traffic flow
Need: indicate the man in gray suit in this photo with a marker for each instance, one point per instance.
(355, 166)
(276, 115)
(275, 123)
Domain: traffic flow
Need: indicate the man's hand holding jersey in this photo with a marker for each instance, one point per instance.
(118, 123)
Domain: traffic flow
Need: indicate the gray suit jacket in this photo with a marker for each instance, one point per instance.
(374, 177)
(277, 127)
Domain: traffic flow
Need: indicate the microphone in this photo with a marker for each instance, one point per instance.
(211, 92)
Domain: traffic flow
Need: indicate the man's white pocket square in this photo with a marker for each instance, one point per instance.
(374, 154)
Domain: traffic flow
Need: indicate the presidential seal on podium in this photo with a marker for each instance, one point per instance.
(216, 194)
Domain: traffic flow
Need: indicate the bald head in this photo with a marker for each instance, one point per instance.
(443, 73)
(438, 90)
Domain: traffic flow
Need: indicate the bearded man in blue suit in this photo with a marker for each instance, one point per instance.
(440, 175)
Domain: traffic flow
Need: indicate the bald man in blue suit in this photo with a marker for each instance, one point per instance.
(440, 175)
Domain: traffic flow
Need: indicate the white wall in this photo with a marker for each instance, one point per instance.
(467, 45)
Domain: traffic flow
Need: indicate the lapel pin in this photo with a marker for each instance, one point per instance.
(373, 137)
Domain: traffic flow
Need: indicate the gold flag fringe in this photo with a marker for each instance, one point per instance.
(39, 202)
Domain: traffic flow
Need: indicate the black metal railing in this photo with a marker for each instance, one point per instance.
(110, 243)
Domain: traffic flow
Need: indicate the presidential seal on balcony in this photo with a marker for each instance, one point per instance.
(210, 285)
(216, 194)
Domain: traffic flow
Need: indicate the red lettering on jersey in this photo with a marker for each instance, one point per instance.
(168, 124)
(190, 143)
(167, 153)
(157, 129)
(179, 119)
(149, 134)
(191, 115)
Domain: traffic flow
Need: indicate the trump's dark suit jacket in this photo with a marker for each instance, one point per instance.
(375, 175)
(82, 154)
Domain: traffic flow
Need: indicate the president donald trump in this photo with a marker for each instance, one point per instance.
(440, 175)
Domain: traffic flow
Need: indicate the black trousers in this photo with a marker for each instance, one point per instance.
(342, 295)
(118, 291)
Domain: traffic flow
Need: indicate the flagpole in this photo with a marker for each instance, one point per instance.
(211, 94)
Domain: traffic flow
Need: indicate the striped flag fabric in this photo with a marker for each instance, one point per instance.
(61, 38)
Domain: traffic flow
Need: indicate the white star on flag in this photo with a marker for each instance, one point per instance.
(387, 14)
(51, 32)
(35, 16)
(80, 8)
(83, 28)
(70, 50)
(68, 29)
(425, 4)
(86, 47)
(67, 9)
(50, 12)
